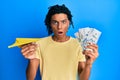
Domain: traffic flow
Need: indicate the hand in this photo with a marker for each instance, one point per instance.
(28, 50)
(91, 53)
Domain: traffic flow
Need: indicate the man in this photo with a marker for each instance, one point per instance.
(59, 56)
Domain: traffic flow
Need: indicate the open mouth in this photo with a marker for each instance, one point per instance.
(60, 33)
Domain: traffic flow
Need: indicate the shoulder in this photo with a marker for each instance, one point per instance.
(44, 40)
(75, 40)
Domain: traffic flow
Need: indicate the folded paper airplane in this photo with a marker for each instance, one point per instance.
(22, 41)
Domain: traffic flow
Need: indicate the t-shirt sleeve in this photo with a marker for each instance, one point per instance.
(81, 56)
(38, 51)
(38, 55)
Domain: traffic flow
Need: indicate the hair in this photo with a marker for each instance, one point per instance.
(56, 9)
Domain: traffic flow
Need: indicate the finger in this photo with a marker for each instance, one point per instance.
(88, 56)
(29, 44)
(24, 46)
(91, 56)
(29, 57)
(92, 44)
(88, 52)
(28, 51)
(33, 46)
(88, 49)
(27, 47)
(24, 49)
(95, 49)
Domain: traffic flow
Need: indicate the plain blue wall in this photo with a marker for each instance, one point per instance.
(25, 18)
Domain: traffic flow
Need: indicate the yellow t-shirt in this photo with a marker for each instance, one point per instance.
(59, 60)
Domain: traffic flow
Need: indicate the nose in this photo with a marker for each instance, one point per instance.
(59, 26)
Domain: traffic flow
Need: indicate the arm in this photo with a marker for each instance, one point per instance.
(32, 69)
(84, 71)
(84, 68)
(28, 51)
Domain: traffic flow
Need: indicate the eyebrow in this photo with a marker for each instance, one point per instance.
(61, 20)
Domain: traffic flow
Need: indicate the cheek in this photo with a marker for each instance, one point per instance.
(66, 28)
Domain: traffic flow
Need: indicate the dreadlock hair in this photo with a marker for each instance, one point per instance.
(56, 9)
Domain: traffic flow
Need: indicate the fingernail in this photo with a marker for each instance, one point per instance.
(89, 49)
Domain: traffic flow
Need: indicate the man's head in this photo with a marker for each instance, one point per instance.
(57, 9)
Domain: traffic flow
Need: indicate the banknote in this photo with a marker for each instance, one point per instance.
(87, 35)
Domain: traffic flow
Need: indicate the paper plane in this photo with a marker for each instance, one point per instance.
(22, 41)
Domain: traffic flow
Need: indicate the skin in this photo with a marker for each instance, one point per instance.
(59, 25)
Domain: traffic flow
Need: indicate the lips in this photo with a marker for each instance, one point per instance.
(60, 32)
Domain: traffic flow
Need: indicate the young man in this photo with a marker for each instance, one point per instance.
(60, 56)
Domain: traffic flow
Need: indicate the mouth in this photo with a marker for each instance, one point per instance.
(60, 33)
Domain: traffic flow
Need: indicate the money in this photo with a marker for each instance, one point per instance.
(87, 35)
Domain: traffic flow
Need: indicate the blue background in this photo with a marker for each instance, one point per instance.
(25, 18)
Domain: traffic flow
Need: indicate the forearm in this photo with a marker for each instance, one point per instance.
(31, 70)
(85, 74)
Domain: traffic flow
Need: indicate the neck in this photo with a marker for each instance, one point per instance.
(60, 39)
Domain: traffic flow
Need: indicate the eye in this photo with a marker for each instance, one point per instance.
(64, 21)
(54, 22)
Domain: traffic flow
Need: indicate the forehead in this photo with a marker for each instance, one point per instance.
(60, 16)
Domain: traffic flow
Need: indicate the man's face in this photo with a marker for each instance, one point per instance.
(59, 24)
